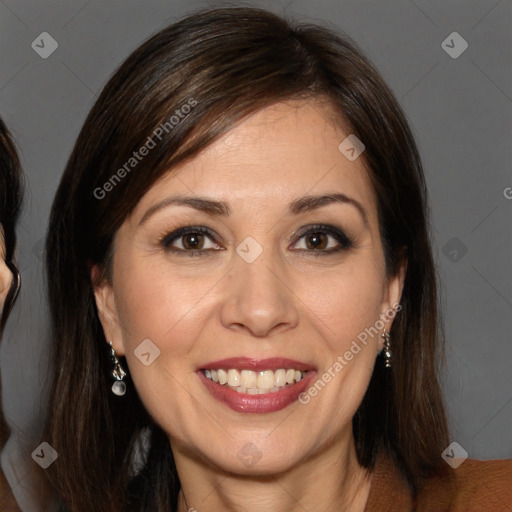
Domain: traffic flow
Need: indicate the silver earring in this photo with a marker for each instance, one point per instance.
(387, 349)
(119, 387)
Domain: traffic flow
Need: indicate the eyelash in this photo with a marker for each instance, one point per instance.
(345, 241)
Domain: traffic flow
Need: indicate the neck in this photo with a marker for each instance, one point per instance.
(329, 481)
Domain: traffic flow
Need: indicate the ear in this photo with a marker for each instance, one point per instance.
(5, 282)
(392, 296)
(107, 309)
(5, 273)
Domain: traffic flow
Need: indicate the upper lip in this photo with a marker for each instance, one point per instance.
(248, 363)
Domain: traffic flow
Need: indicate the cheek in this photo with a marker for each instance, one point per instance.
(349, 308)
(347, 302)
(346, 307)
(154, 304)
(170, 310)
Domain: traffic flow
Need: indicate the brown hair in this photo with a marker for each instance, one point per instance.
(11, 194)
(11, 185)
(230, 63)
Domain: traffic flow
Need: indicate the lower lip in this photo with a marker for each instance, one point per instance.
(269, 402)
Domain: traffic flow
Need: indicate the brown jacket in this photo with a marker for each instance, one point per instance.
(477, 486)
(7, 501)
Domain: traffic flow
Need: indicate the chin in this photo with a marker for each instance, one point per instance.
(255, 463)
(256, 457)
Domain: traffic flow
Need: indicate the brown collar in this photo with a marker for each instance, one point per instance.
(390, 490)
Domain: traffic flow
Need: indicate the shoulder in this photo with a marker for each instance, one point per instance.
(474, 486)
(485, 482)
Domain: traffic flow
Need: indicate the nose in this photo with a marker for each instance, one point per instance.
(257, 297)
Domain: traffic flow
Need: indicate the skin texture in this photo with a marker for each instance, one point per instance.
(5, 273)
(289, 302)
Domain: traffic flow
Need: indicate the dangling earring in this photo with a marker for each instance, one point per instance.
(119, 387)
(387, 349)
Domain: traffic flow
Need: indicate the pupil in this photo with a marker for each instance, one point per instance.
(316, 240)
(192, 241)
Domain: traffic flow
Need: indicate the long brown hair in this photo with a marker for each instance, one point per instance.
(227, 63)
(11, 196)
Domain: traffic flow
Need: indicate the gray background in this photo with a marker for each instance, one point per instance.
(459, 110)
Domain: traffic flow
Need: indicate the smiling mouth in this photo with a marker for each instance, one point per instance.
(255, 382)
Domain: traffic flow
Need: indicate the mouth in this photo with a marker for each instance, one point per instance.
(256, 386)
(255, 383)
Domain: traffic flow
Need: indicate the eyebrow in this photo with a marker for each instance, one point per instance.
(220, 208)
(308, 203)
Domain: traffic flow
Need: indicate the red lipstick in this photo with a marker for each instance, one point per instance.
(265, 403)
(257, 365)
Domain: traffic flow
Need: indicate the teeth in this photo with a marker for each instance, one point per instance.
(280, 377)
(223, 376)
(248, 379)
(255, 383)
(265, 380)
(233, 378)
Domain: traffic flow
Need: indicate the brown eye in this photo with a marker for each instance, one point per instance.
(323, 239)
(316, 241)
(193, 241)
(190, 241)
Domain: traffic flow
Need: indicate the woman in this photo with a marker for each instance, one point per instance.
(241, 285)
(10, 202)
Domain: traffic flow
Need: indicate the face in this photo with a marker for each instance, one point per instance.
(5, 273)
(256, 277)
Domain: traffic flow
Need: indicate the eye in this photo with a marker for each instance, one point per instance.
(190, 241)
(200, 240)
(323, 239)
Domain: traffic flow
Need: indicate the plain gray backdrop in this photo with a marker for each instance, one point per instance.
(459, 110)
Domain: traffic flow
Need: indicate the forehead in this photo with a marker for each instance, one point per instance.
(282, 152)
